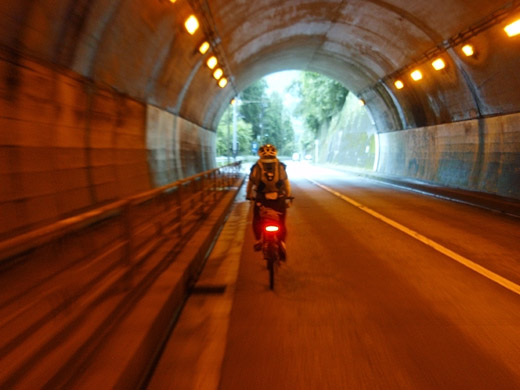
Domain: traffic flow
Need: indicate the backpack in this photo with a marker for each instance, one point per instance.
(270, 175)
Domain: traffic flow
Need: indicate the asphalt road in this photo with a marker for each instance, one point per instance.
(383, 289)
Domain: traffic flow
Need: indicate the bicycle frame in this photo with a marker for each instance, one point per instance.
(271, 229)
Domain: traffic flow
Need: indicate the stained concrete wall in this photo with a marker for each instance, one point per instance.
(349, 139)
(67, 145)
(478, 155)
(176, 147)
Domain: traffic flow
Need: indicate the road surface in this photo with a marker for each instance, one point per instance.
(383, 289)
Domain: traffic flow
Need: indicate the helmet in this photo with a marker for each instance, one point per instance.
(267, 150)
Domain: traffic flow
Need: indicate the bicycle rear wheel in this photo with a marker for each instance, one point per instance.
(270, 267)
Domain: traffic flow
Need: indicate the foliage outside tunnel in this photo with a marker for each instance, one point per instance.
(326, 124)
(261, 118)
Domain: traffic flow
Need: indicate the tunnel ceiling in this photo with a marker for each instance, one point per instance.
(141, 48)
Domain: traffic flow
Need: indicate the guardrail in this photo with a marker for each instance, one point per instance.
(198, 191)
(66, 286)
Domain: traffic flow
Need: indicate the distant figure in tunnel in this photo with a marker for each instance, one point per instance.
(269, 186)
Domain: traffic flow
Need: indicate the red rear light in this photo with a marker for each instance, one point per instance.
(271, 228)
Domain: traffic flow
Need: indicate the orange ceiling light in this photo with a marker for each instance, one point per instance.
(217, 74)
(513, 29)
(468, 50)
(416, 75)
(438, 64)
(222, 82)
(203, 49)
(212, 62)
(399, 84)
(191, 24)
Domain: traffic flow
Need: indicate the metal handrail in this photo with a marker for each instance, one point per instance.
(91, 270)
(24, 242)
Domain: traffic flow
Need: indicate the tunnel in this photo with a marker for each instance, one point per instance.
(102, 100)
(106, 99)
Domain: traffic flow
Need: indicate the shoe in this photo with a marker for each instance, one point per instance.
(283, 251)
(258, 245)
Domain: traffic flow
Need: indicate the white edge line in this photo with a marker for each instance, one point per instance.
(425, 240)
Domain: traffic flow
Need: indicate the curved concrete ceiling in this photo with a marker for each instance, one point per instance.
(141, 48)
(357, 42)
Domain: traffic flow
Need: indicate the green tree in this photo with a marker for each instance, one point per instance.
(268, 117)
(262, 118)
(277, 125)
(320, 99)
(225, 135)
(253, 105)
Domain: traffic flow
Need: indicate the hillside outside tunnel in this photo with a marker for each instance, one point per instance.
(105, 99)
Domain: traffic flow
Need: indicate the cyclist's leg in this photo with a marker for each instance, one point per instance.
(284, 227)
(280, 206)
(257, 227)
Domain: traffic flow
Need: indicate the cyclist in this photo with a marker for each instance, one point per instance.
(268, 185)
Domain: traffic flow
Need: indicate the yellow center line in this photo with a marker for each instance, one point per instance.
(425, 240)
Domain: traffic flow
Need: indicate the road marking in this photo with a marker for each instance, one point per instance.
(425, 240)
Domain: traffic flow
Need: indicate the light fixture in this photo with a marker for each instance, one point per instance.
(438, 64)
(399, 84)
(217, 74)
(222, 82)
(468, 50)
(191, 24)
(233, 101)
(513, 28)
(361, 102)
(212, 62)
(416, 75)
(173, 1)
(203, 49)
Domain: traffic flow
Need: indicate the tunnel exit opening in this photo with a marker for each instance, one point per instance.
(307, 115)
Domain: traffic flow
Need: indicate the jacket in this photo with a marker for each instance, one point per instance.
(268, 175)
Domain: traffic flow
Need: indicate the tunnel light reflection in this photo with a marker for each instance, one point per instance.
(212, 62)
(468, 50)
(217, 74)
(513, 28)
(203, 49)
(191, 24)
(416, 75)
(438, 64)
(222, 83)
(399, 84)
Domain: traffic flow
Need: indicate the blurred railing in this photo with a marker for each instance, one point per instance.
(172, 209)
(65, 286)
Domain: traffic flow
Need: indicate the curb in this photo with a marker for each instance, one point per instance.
(491, 202)
(130, 352)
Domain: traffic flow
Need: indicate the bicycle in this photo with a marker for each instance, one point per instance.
(272, 249)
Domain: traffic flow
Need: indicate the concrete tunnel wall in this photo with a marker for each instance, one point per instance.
(67, 145)
(478, 155)
(89, 113)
